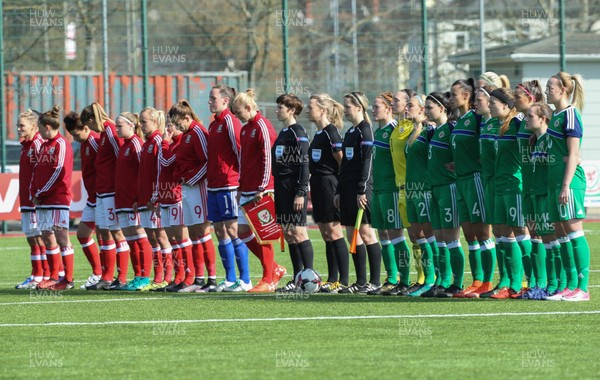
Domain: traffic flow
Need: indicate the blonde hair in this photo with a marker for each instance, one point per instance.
(94, 112)
(493, 79)
(158, 116)
(360, 100)
(29, 115)
(134, 119)
(418, 124)
(245, 98)
(335, 110)
(574, 86)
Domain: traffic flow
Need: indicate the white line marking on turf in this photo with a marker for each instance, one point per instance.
(287, 319)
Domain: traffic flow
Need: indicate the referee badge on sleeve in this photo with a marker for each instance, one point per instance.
(349, 153)
(316, 155)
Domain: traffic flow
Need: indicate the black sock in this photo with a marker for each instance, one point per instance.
(295, 258)
(332, 268)
(306, 253)
(360, 264)
(374, 251)
(340, 248)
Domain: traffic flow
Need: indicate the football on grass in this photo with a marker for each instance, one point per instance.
(308, 281)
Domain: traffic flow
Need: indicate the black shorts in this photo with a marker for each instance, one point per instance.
(349, 207)
(322, 191)
(285, 193)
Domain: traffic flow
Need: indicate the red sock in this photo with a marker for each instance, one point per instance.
(188, 259)
(122, 260)
(209, 256)
(178, 263)
(167, 254)
(268, 262)
(90, 249)
(134, 255)
(145, 257)
(68, 261)
(37, 266)
(53, 255)
(61, 269)
(45, 265)
(198, 253)
(110, 260)
(157, 260)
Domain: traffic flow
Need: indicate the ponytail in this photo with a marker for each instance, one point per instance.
(133, 119)
(360, 100)
(182, 109)
(94, 116)
(158, 117)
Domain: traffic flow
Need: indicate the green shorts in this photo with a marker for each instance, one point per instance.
(489, 199)
(528, 207)
(508, 210)
(574, 209)
(543, 226)
(384, 211)
(471, 197)
(418, 205)
(444, 207)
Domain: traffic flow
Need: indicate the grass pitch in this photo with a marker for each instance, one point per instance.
(79, 334)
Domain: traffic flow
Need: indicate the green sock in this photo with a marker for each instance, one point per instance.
(561, 274)
(457, 262)
(568, 262)
(550, 268)
(581, 253)
(475, 261)
(436, 259)
(445, 267)
(514, 263)
(500, 256)
(538, 258)
(525, 245)
(387, 254)
(426, 261)
(488, 259)
(401, 249)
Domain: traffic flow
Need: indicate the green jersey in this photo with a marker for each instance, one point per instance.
(417, 177)
(487, 142)
(384, 177)
(465, 145)
(564, 124)
(539, 165)
(439, 155)
(508, 160)
(523, 137)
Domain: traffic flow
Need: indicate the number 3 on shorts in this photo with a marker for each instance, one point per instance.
(448, 217)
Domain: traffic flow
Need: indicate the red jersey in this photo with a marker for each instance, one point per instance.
(256, 139)
(169, 190)
(224, 152)
(106, 160)
(51, 181)
(148, 178)
(190, 161)
(27, 161)
(88, 151)
(127, 173)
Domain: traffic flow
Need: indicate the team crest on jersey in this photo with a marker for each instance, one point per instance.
(30, 152)
(489, 128)
(220, 129)
(385, 135)
(279, 151)
(442, 134)
(102, 141)
(467, 122)
(87, 150)
(253, 133)
(127, 152)
(556, 123)
(51, 150)
(150, 148)
(349, 153)
(188, 139)
(316, 155)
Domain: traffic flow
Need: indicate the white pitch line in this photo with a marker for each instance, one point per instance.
(287, 319)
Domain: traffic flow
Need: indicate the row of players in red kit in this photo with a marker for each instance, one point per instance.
(155, 182)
